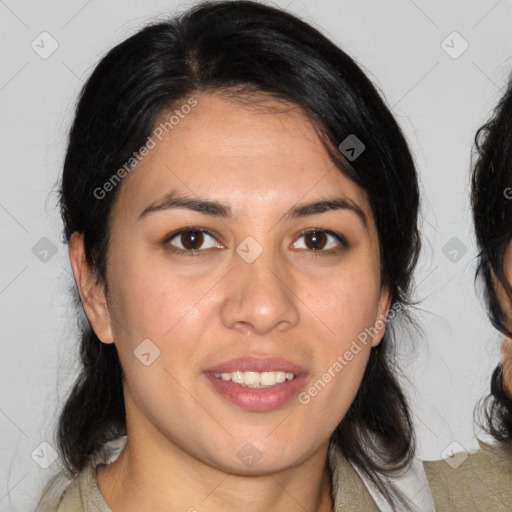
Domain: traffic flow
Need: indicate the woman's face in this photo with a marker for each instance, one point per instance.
(254, 288)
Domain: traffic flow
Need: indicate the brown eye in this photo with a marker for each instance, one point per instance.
(321, 241)
(315, 240)
(188, 240)
(191, 240)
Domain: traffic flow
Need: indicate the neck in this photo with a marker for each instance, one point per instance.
(134, 482)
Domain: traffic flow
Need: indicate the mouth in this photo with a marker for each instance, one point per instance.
(257, 384)
(257, 364)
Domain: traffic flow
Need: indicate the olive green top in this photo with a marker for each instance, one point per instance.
(481, 482)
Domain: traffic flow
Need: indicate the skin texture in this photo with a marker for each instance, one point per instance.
(506, 358)
(293, 302)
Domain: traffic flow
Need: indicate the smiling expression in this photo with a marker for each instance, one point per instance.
(236, 236)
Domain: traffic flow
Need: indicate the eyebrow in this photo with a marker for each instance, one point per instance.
(213, 208)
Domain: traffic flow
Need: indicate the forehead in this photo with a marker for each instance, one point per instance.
(262, 154)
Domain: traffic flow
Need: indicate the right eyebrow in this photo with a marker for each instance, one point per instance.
(172, 200)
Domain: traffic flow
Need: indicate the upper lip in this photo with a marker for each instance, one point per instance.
(257, 364)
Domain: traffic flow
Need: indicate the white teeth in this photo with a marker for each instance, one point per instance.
(256, 379)
(237, 377)
(268, 378)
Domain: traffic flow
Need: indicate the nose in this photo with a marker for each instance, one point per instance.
(259, 296)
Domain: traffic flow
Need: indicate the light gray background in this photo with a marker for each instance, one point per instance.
(439, 101)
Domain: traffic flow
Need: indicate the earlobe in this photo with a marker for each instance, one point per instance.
(91, 292)
(382, 317)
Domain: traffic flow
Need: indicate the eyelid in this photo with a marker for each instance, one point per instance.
(338, 236)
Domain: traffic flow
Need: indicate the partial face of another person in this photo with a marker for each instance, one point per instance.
(505, 301)
(254, 274)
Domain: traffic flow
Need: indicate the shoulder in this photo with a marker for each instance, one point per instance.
(473, 482)
(71, 499)
(349, 491)
(83, 494)
(53, 491)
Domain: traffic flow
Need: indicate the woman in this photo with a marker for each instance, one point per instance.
(484, 480)
(492, 214)
(241, 213)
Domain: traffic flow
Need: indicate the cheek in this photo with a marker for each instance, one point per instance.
(331, 392)
(151, 301)
(346, 303)
(346, 311)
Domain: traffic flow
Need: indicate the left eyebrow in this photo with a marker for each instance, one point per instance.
(325, 205)
(216, 209)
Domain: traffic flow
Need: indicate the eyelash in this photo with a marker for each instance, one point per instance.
(190, 253)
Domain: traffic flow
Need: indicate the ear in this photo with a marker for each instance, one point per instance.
(91, 291)
(506, 365)
(381, 321)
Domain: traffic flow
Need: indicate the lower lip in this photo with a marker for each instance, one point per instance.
(258, 399)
